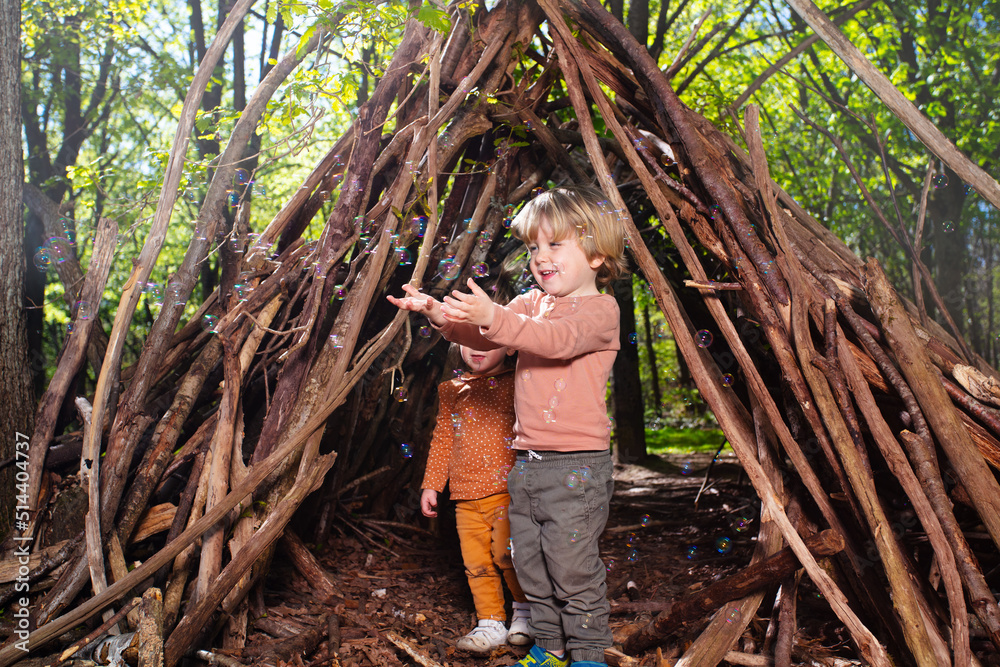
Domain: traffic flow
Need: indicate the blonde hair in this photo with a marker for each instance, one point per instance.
(583, 214)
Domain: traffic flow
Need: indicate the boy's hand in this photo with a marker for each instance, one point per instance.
(475, 308)
(429, 502)
(419, 303)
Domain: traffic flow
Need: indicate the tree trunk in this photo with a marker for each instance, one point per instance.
(15, 371)
(630, 430)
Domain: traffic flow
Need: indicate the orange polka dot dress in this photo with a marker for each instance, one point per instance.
(471, 445)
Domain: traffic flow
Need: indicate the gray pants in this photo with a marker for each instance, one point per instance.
(558, 510)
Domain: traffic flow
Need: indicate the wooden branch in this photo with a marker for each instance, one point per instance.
(150, 630)
(937, 406)
(752, 578)
(105, 242)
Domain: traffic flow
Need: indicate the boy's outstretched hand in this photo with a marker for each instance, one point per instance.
(475, 308)
(419, 303)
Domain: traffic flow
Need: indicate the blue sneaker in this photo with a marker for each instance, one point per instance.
(539, 657)
(588, 663)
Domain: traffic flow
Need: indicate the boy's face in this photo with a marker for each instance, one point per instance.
(561, 267)
(483, 362)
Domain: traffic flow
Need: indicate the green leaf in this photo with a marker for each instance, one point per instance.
(434, 18)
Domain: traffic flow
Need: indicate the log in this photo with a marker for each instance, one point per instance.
(150, 630)
(748, 580)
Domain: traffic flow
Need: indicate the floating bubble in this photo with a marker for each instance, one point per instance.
(424, 331)
(559, 384)
(632, 555)
(967, 188)
(336, 340)
(949, 226)
(400, 394)
(662, 331)
(59, 249)
(940, 181)
(692, 552)
(492, 382)
(83, 310)
(448, 268)
(529, 126)
(610, 565)
(507, 222)
(549, 416)
(259, 190)
(742, 524)
(406, 451)
(241, 177)
(403, 257)
(339, 292)
(42, 259)
(418, 225)
(632, 540)
(526, 374)
(537, 191)
(554, 402)
(242, 290)
(734, 615)
(687, 468)
(210, 323)
(727, 379)
(723, 545)
(236, 245)
(632, 337)
(574, 535)
(481, 270)
(175, 292)
(715, 212)
(666, 160)
(644, 520)
(232, 198)
(703, 338)
(155, 292)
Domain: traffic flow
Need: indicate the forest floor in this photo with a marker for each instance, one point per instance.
(406, 601)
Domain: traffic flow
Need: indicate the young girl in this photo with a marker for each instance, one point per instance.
(470, 450)
(566, 336)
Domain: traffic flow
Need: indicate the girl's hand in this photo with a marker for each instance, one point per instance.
(429, 502)
(476, 308)
(419, 303)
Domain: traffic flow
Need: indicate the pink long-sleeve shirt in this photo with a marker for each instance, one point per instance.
(566, 347)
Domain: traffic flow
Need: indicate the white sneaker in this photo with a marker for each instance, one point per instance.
(485, 637)
(520, 633)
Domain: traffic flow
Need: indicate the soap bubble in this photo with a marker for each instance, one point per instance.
(632, 337)
(232, 198)
(83, 310)
(243, 289)
(175, 292)
(336, 340)
(715, 211)
(549, 416)
(424, 331)
(492, 382)
(554, 402)
(418, 225)
(406, 451)
(400, 394)
(632, 540)
(610, 565)
(155, 292)
(43, 259)
(703, 338)
(526, 374)
(339, 292)
(507, 222)
(241, 177)
(940, 181)
(662, 331)
(734, 615)
(236, 245)
(481, 270)
(59, 249)
(403, 257)
(448, 268)
(572, 479)
(574, 535)
(259, 190)
(644, 520)
(692, 552)
(537, 191)
(632, 555)
(560, 384)
(723, 545)
(949, 226)
(687, 468)
(727, 379)
(210, 323)
(742, 524)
